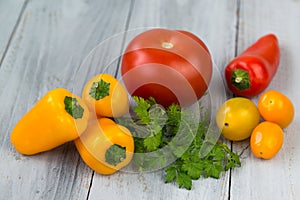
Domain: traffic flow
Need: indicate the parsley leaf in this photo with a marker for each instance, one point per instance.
(171, 174)
(153, 142)
(178, 135)
(193, 169)
(141, 110)
(184, 181)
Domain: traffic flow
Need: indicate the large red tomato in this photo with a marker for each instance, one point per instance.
(171, 66)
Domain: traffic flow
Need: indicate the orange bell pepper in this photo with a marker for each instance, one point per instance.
(57, 118)
(105, 146)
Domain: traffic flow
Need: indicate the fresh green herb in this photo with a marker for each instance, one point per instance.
(179, 141)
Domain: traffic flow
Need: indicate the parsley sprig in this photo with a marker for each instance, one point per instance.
(177, 140)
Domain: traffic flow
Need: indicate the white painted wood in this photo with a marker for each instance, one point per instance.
(49, 45)
(9, 13)
(276, 178)
(214, 22)
(151, 186)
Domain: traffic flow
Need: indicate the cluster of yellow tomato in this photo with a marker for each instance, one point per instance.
(60, 117)
(239, 118)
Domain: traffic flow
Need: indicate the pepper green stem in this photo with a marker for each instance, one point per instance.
(73, 107)
(240, 79)
(99, 90)
(115, 154)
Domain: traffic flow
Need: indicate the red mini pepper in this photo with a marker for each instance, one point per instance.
(252, 71)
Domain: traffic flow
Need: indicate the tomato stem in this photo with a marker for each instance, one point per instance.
(167, 45)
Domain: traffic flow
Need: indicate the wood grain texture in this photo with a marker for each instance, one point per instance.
(49, 45)
(10, 12)
(63, 43)
(206, 19)
(276, 178)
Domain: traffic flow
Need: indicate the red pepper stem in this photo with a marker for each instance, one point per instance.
(240, 79)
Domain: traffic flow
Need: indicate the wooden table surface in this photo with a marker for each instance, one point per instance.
(43, 44)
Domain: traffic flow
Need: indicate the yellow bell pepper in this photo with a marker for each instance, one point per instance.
(57, 118)
(105, 146)
(105, 96)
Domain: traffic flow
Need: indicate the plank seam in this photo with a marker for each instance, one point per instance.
(116, 73)
(90, 187)
(125, 35)
(13, 32)
(237, 28)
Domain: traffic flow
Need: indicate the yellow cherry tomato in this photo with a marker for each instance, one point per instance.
(237, 117)
(276, 107)
(105, 146)
(266, 140)
(106, 96)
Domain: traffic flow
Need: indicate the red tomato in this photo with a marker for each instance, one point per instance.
(171, 66)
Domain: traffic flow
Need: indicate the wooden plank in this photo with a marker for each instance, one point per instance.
(9, 14)
(214, 22)
(50, 43)
(276, 178)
